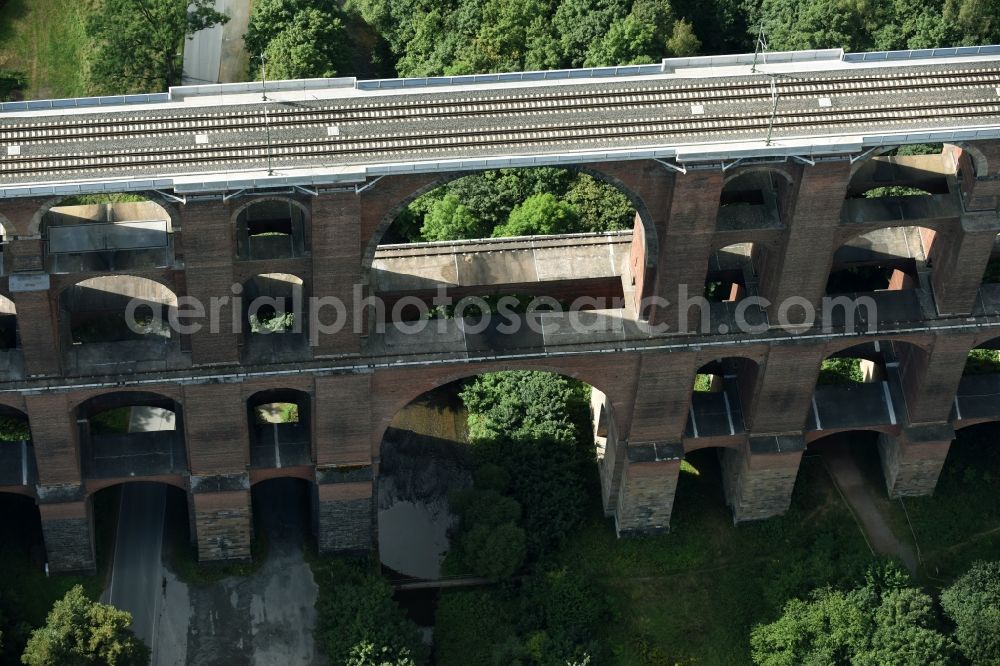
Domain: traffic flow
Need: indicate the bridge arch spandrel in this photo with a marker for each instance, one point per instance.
(645, 184)
(394, 389)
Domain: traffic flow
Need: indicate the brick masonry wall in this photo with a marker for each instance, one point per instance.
(912, 462)
(802, 266)
(346, 517)
(758, 486)
(67, 529)
(209, 251)
(215, 424)
(646, 497)
(223, 525)
(55, 436)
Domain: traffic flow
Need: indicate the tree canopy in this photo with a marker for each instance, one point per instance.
(884, 622)
(80, 632)
(299, 39)
(137, 44)
(973, 604)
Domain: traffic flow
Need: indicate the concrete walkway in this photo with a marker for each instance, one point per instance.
(860, 496)
(265, 619)
(217, 55)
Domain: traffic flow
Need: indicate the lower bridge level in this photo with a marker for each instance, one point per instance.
(759, 405)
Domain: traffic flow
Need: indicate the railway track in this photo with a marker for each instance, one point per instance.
(344, 149)
(74, 129)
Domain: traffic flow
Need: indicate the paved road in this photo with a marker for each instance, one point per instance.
(137, 571)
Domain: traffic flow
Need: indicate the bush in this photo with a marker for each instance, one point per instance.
(355, 606)
(973, 604)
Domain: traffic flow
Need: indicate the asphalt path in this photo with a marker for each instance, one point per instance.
(137, 570)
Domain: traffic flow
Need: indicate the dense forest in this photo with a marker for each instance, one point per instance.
(429, 37)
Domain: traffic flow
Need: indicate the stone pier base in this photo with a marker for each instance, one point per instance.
(68, 531)
(647, 487)
(345, 510)
(760, 476)
(912, 462)
(223, 525)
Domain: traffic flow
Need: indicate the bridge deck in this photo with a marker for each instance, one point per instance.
(351, 131)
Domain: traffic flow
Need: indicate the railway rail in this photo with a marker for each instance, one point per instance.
(377, 128)
(348, 148)
(784, 87)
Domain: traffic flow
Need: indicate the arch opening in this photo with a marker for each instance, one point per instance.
(891, 259)
(271, 229)
(722, 396)
(280, 429)
(904, 171)
(17, 456)
(866, 386)
(9, 332)
(733, 272)
(93, 234)
(754, 199)
(584, 217)
(109, 321)
(975, 400)
(131, 434)
(507, 439)
(274, 318)
(284, 510)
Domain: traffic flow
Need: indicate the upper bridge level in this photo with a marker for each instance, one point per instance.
(323, 133)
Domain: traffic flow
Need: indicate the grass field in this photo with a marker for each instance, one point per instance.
(691, 596)
(44, 39)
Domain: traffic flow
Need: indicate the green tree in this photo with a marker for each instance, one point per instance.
(885, 622)
(355, 606)
(449, 219)
(79, 631)
(973, 604)
(299, 38)
(683, 41)
(540, 214)
(524, 405)
(137, 43)
(639, 38)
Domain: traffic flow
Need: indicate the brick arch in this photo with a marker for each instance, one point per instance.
(173, 215)
(844, 344)
(779, 169)
(178, 481)
(979, 161)
(67, 285)
(306, 474)
(7, 226)
(113, 398)
(845, 234)
(982, 338)
(814, 436)
(235, 212)
(394, 405)
(692, 445)
(643, 214)
(881, 150)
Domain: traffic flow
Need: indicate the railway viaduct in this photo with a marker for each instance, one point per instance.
(748, 176)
